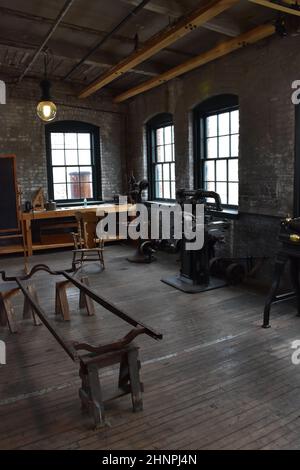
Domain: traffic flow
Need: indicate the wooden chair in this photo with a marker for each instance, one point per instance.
(87, 246)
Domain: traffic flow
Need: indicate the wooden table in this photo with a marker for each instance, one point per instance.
(60, 213)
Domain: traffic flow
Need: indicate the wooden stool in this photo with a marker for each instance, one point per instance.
(90, 392)
(61, 299)
(7, 314)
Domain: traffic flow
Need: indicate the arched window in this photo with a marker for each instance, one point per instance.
(73, 161)
(161, 157)
(217, 147)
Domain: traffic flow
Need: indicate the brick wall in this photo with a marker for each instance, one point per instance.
(261, 75)
(22, 133)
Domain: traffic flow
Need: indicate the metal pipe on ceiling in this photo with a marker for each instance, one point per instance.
(58, 20)
(134, 12)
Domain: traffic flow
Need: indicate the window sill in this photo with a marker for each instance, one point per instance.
(78, 204)
(228, 213)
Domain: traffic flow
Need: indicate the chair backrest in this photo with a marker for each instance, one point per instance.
(87, 224)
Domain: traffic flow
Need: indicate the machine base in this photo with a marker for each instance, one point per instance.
(141, 259)
(185, 285)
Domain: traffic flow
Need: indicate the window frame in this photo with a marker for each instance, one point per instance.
(75, 127)
(158, 122)
(210, 107)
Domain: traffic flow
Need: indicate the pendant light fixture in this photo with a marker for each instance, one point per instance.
(46, 109)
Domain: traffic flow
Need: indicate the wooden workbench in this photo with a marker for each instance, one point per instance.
(60, 213)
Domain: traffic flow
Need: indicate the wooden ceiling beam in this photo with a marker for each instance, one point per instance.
(287, 6)
(161, 41)
(222, 49)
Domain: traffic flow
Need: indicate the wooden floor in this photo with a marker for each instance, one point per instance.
(216, 381)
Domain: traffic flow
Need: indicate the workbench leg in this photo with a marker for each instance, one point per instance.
(278, 271)
(28, 237)
(135, 384)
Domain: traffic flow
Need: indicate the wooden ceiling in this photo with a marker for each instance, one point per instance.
(25, 25)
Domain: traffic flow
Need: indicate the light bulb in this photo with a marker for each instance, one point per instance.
(46, 110)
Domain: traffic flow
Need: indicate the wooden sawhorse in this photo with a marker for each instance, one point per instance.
(61, 299)
(7, 314)
(90, 392)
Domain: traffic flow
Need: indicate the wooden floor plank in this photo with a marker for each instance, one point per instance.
(216, 381)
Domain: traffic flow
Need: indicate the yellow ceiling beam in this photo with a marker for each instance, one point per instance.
(222, 49)
(160, 41)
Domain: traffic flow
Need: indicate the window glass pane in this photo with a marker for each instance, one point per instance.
(168, 135)
(167, 192)
(84, 157)
(209, 186)
(212, 126)
(212, 148)
(57, 140)
(221, 170)
(160, 154)
(158, 172)
(70, 141)
(224, 124)
(60, 191)
(71, 157)
(86, 189)
(168, 153)
(221, 189)
(84, 141)
(235, 122)
(160, 136)
(159, 193)
(233, 170)
(58, 157)
(73, 175)
(173, 190)
(209, 171)
(224, 147)
(173, 171)
(74, 191)
(234, 145)
(86, 173)
(173, 137)
(59, 175)
(233, 197)
(166, 172)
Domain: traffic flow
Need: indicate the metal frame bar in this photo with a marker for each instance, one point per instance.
(83, 288)
(58, 20)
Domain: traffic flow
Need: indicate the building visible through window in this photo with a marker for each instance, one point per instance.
(218, 148)
(161, 157)
(73, 162)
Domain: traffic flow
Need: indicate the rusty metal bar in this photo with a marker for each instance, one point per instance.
(111, 307)
(83, 288)
(70, 350)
